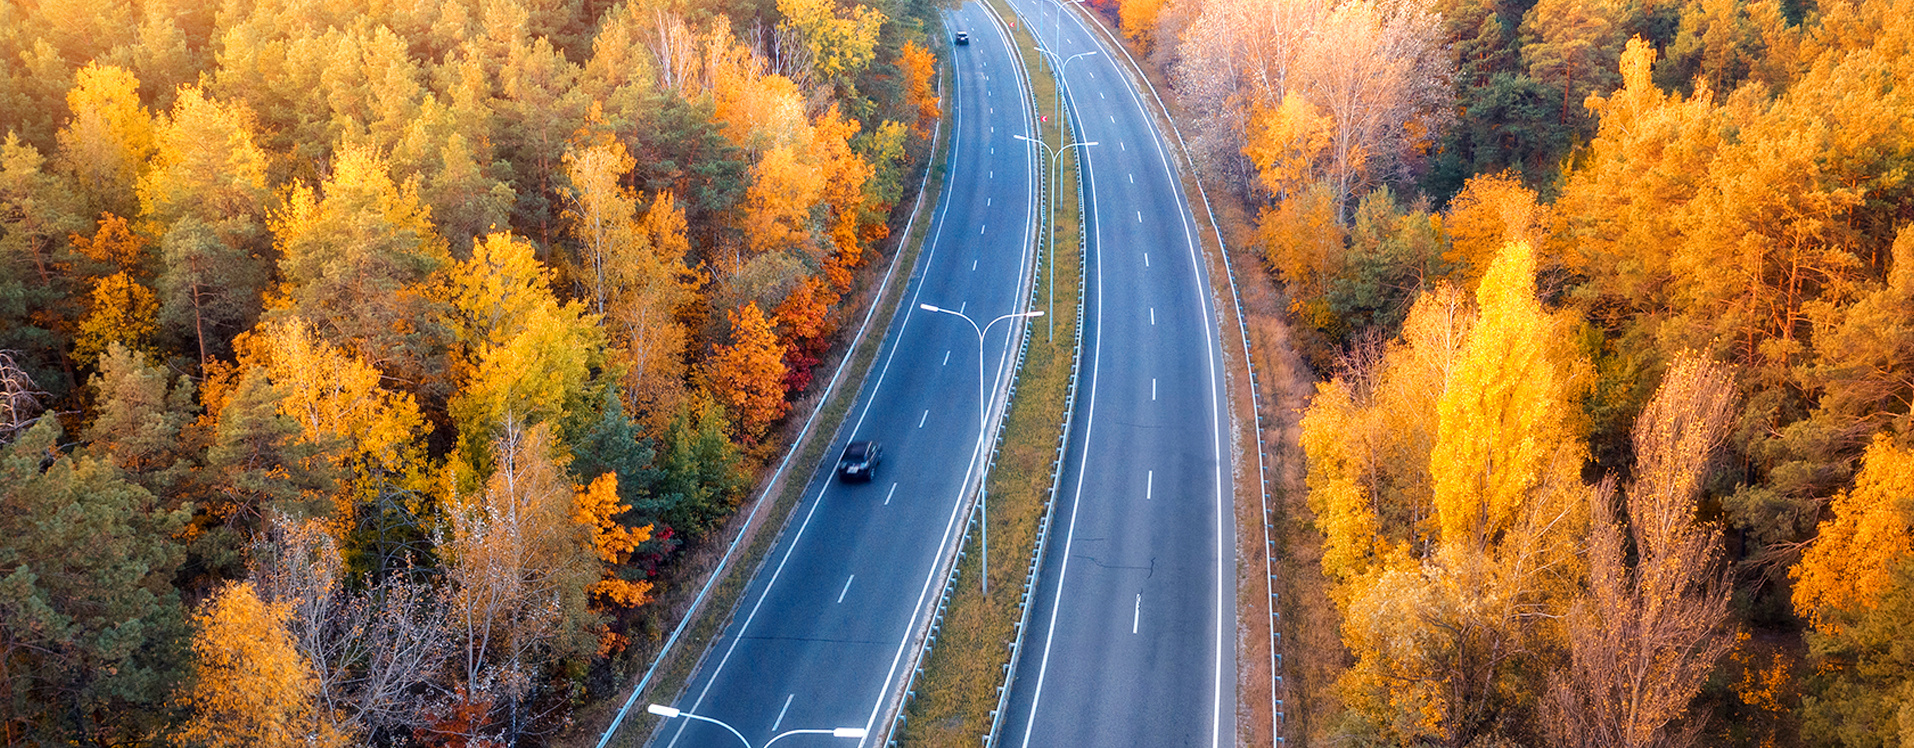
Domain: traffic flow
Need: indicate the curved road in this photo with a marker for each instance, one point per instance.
(1132, 639)
(825, 628)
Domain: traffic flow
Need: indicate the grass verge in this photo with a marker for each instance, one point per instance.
(957, 692)
(676, 593)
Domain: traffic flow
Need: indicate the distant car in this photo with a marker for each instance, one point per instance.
(859, 461)
(963, 37)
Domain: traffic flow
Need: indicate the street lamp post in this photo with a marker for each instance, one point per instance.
(1056, 175)
(837, 732)
(983, 408)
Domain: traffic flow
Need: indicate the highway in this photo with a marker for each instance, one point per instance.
(1133, 630)
(827, 626)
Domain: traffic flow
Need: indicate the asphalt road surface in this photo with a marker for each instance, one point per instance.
(822, 635)
(1132, 638)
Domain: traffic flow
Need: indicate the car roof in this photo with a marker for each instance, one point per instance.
(858, 449)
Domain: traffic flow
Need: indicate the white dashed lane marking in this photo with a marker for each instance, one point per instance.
(787, 707)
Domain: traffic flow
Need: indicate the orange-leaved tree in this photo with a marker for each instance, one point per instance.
(845, 173)
(1286, 143)
(803, 322)
(747, 376)
(1138, 19)
(596, 508)
(121, 311)
(918, 66)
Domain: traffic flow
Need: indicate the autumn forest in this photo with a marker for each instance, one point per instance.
(364, 363)
(1611, 309)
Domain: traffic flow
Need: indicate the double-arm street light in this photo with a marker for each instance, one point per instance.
(836, 732)
(983, 409)
(1056, 175)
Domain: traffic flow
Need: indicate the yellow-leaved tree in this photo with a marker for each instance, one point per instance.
(520, 355)
(634, 265)
(841, 44)
(1286, 143)
(251, 687)
(1510, 435)
(1368, 434)
(365, 436)
(1440, 634)
(110, 138)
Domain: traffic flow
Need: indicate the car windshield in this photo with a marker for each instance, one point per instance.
(857, 450)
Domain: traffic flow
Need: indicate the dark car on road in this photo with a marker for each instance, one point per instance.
(859, 461)
(963, 37)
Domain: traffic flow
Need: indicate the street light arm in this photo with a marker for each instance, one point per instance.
(839, 732)
(1066, 60)
(1046, 146)
(669, 712)
(1036, 313)
(954, 313)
